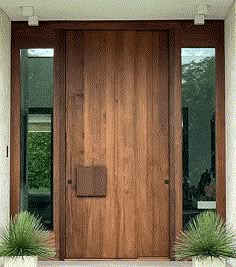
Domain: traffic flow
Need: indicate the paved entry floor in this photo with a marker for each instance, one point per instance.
(114, 264)
(118, 264)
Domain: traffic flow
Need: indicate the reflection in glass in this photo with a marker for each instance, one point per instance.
(37, 133)
(198, 113)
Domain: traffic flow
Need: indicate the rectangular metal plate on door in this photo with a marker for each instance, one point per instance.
(91, 181)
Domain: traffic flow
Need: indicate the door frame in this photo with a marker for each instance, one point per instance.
(181, 34)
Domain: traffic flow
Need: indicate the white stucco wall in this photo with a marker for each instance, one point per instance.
(5, 52)
(230, 75)
(230, 105)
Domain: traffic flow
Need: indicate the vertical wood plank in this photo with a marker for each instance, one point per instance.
(110, 209)
(59, 147)
(126, 148)
(143, 96)
(152, 140)
(220, 128)
(94, 88)
(74, 138)
(15, 129)
(175, 142)
(160, 144)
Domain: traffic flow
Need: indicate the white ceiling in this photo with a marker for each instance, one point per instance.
(114, 9)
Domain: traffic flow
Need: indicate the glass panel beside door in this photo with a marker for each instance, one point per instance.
(37, 133)
(198, 113)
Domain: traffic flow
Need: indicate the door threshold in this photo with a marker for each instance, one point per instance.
(134, 259)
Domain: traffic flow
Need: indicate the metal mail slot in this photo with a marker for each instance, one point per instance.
(91, 181)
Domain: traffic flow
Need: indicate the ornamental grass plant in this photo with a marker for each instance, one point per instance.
(25, 236)
(206, 236)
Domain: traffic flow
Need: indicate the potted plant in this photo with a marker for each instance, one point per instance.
(23, 241)
(207, 240)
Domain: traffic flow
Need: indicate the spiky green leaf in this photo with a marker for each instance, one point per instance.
(25, 236)
(206, 236)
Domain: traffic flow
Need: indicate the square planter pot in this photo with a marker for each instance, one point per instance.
(24, 261)
(209, 262)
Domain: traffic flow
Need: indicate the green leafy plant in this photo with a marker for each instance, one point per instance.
(39, 159)
(206, 236)
(25, 236)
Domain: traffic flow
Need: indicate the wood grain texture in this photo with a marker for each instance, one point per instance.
(91, 181)
(15, 167)
(160, 145)
(220, 128)
(74, 138)
(126, 198)
(152, 133)
(175, 142)
(46, 27)
(59, 145)
(123, 78)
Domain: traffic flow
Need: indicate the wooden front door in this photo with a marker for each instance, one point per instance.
(117, 118)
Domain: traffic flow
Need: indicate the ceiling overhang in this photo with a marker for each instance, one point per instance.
(114, 10)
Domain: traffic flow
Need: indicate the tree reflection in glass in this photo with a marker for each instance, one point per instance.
(198, 102)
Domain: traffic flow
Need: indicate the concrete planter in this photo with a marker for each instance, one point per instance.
(25, 261)
(209, 262)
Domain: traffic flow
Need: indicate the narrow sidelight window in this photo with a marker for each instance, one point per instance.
(37, 133)
(198, 113)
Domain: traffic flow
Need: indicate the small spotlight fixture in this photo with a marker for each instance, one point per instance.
(201, 12)
(28, 11)
(199, 20)
(33, 21)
